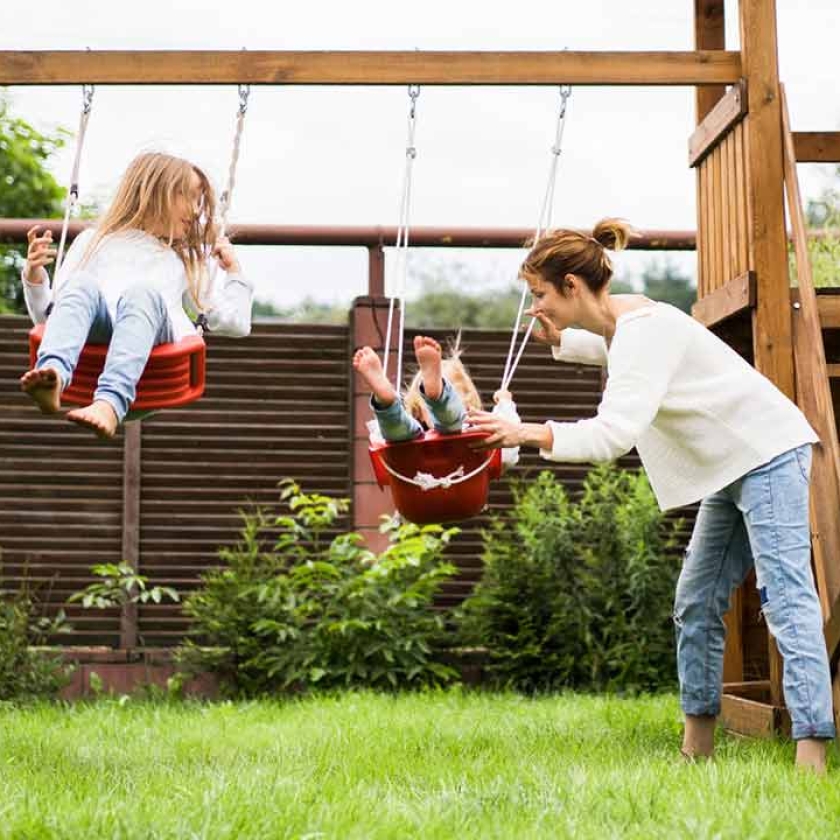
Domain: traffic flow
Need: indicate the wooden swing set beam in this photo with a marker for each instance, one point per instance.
(272, 67)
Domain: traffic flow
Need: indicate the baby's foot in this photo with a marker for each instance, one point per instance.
(429, 355)
(370, 367)
(44, 388)
(98, 416)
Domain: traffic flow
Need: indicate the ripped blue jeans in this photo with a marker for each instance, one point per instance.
(761, 519)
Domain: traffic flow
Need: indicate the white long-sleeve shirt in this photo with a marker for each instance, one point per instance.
(699, 416)
(132, 257)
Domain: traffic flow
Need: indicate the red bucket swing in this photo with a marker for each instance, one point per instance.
(175, 374)
(440, 478)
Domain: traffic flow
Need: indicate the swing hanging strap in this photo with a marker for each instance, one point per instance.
(72, 198)
(543, 224)
(401, 249)
(201, 323)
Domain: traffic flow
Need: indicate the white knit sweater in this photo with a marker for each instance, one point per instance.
(699, 416)
(133, 257)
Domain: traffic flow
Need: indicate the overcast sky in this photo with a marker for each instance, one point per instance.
(335, 155)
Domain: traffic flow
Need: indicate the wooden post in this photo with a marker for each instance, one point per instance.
(772, 339)
(368, 327)
(131, 524)
(709, 34)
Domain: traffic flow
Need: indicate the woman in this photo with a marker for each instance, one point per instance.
(708, 427)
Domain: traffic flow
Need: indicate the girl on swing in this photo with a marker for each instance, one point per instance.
(709, 428)
(438, 397)
(127, 283)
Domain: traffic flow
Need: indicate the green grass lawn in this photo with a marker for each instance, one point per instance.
(450, 764)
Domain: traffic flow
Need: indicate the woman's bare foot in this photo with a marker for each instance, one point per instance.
(810, 755)
(98, 416)
(43, 385)
(699, 737)
(429, 356)
(370, 367)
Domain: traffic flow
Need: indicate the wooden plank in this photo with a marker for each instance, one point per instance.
(814, 396)
(741, 216)
(725, 219)
(733, 653)
(828, 307)
(750, 717)
(701, 233)
(208, 67)
(733, 298)
(758, 690)
(817, 146)
(716, 205)
(730, 110)
(709, 34)
(772, 341)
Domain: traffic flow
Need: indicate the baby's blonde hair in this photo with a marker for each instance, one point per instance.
(144, 201)
(455, 372)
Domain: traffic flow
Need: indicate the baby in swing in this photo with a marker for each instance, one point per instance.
(127, 282)
(438, 397)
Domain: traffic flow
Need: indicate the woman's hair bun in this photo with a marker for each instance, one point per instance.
(612, 234)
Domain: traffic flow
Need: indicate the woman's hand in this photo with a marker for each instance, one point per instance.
(224, 253)
(546, 332)
(39, 254)
(502, 433)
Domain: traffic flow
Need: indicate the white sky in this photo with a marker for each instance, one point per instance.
(335, 155)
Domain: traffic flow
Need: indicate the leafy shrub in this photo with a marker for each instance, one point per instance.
(293, 610)
(577, 594)
(26, 673)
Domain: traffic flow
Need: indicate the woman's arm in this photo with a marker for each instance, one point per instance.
(643, 361)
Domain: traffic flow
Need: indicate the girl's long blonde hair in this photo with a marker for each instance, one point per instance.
(456, 374)
(145, 201)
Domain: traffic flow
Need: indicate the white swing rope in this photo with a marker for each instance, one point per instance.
(227, 194)
(401, 245)
(543, 224)
(73, 191)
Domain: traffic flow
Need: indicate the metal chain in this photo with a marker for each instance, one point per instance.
(401, 247)
(543, 224)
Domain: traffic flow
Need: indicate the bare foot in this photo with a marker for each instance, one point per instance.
(429, 354)
(810, 755)
(44, 388)
(370, 367)
(98, 416)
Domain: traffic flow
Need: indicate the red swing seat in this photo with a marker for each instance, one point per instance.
(455, 497)
(173, 376)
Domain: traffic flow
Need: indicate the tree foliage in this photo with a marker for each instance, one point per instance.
(27, 190)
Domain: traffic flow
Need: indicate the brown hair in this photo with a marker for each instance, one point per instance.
(561, 252)
(455, 373)
(144, 201)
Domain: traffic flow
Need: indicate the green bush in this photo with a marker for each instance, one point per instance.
(577, 593)
(295, 611)
(26, 673)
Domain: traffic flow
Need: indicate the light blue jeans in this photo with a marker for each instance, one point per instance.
(396, 424)
(80, 315)
(761, 519)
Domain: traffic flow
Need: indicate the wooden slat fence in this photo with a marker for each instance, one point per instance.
(276, 406)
